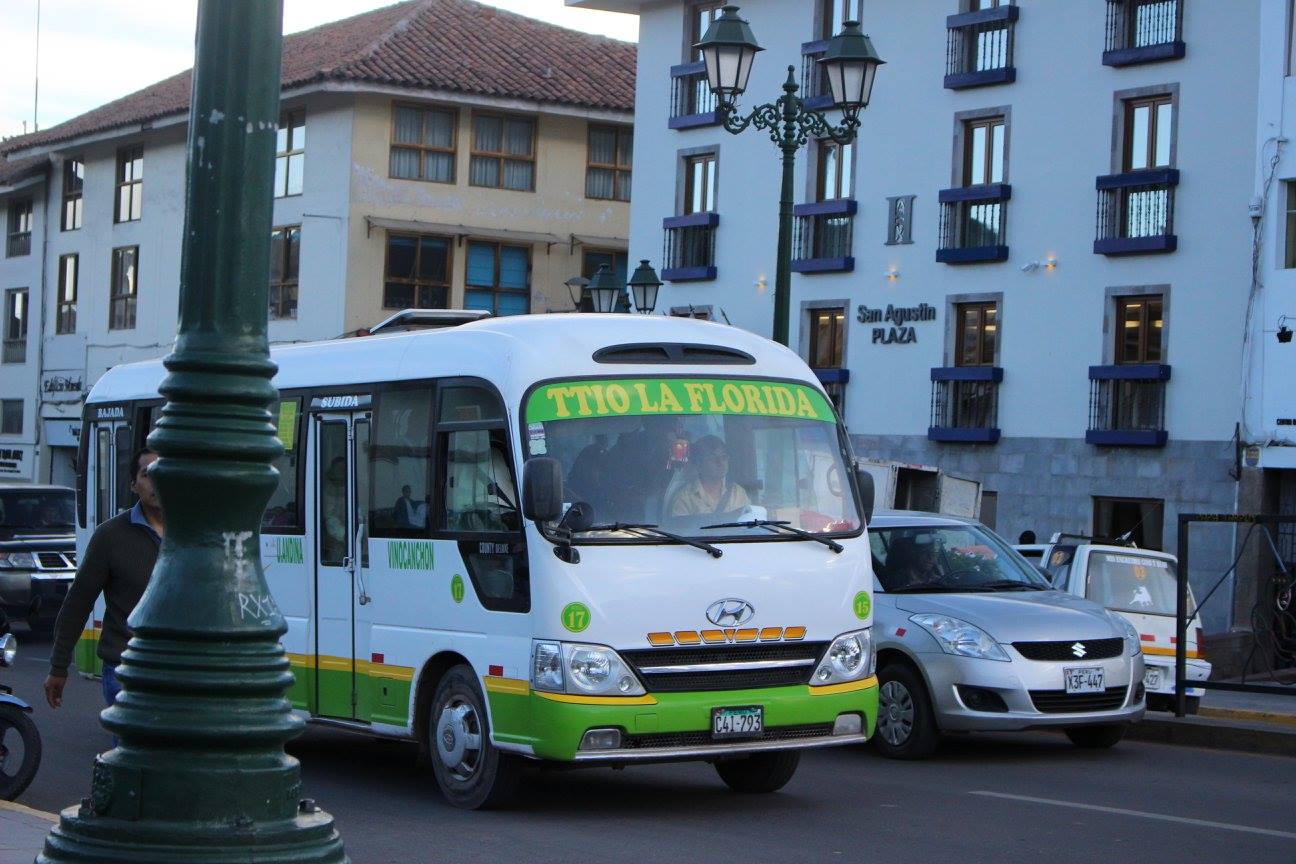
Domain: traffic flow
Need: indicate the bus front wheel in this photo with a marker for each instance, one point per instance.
(471, 771)
(759, 773)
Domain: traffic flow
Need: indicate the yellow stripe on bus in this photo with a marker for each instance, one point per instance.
(848, 687)
(596, 700)
(515, 686)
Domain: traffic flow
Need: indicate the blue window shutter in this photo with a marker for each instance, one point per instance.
(481, 265)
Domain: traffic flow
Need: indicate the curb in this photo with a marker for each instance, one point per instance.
(1217, 734)
(28, 811)
(1248, 716)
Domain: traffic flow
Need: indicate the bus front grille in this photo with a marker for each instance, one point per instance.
(727, 667)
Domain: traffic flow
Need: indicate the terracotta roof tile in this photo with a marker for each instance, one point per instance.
(455, 45)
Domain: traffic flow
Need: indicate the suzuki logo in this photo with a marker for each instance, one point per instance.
(1078, 649)
(730, 612)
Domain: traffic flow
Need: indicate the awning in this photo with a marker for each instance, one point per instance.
(600, 242)
(460, 231)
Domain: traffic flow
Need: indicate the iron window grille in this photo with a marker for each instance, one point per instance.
(1143, 31)
(965, 404)
(20, 228)
(972, 224)
(979, 47)
(689, 248)
(692, 102)
(1136, 212)
(1127, 404)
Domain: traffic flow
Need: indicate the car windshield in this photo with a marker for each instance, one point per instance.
(684, 454)
(1132, 583)
(948, 558)
(38, 511)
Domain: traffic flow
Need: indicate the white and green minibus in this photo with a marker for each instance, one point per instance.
(577, 539)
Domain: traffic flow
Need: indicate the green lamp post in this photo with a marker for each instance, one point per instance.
(200, 774)
(729, 50)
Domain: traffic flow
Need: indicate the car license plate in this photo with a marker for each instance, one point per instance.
(748, 722)
(1083, 679)
(1152, 677)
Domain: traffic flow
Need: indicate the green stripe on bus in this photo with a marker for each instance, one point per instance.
(640, 396)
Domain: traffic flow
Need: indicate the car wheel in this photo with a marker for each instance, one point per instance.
(471, 771)
(1097, 737)
(761, 773)
(906, 724)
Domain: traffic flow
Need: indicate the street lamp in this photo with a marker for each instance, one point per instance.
(644, 285)
(576, 288)
(728, 48)
(604, 289)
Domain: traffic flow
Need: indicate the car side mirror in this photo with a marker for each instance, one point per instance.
(542, 489)
(865, 482)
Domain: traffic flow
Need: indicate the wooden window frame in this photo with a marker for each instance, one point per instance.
(969, 132)
(1152, 103)
(415, 282)
(708, 188)
(21, 218)
(277, 304)
(961, 312)
(452, 150)
(1145, 326)
(837, 343)
(129, 299)
(125, 157)
(616, 167)
(844, 152)
(501, 156)
(695, 31)
(828, 15)
(495, 289)
(66, 314)
(73, 194)
(286, 123)
(15, 344)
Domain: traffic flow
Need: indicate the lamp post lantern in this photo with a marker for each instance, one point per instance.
(644, 286)
(576, 286)
(604, 290)
(728, 48)
(200, 774)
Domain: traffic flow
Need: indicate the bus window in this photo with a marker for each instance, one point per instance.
(479, 492)
(103, 473)
(124, 447)
(281, 514)
(333, 535)
(399, 464)
(470, 404)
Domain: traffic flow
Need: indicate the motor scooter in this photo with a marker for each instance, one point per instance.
(20, 742)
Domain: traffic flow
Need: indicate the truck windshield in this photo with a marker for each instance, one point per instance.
(948, 559)
(1132, 583)
(683, 453)
(43, 511)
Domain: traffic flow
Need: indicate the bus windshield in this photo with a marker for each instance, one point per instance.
(1132, 583)
(688, 453)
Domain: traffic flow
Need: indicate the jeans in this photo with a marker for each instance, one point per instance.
(111, 688)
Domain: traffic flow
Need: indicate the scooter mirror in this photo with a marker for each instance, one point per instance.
(8, 649)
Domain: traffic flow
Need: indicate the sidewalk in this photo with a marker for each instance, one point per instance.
(1255, 722)
(22, 832)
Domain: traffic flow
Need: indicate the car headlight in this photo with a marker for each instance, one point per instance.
(1133, 644)
(8, 649)
(588, 670)
(959, 637)
(848, 658)
(17, 561)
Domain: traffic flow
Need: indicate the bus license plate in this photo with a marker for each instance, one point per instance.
(1084, 679)
(1152, 678)
(746, 722)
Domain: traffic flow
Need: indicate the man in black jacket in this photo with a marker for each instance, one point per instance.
(117, 563)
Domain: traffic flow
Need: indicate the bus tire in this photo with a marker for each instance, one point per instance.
(1097, 737)
(906, 724)
(471, 772)
(759, 773)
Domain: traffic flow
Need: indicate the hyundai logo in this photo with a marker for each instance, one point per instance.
(1078, 649)
(730, 612)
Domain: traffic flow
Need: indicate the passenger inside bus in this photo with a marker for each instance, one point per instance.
(708, 490)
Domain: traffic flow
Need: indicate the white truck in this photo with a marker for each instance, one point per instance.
(904, 486)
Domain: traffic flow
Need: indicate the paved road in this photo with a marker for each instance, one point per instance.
(1015, 798)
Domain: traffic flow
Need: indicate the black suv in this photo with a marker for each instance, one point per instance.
(37, 551)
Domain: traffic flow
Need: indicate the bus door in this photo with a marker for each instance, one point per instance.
(111, 445)
(341, 446)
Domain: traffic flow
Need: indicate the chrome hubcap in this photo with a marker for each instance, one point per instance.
(458, 737)
(895, 713)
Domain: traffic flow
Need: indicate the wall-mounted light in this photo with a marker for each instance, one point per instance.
(892, 273)
(1284, 333)
(1050, 264)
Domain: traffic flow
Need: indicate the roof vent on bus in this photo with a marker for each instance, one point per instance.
(426, 319)
(673, 353)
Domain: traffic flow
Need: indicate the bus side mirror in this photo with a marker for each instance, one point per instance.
(542, 489)
(865, 481)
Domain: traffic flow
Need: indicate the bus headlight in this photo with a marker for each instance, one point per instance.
(849, 658)
(585, 670)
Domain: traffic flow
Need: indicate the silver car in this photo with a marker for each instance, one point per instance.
(971, 637)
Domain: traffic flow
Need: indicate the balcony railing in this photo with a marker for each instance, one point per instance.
(979, 48)
(688, 254)
(692, 102)
(18, 243)
(1143, 31)
(14, 351)
(972, 224)
(814, 81)
(1136, 212)
(965, 404)
(823, 237)
(1127, 405)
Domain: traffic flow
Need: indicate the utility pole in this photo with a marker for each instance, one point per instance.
(200, 774)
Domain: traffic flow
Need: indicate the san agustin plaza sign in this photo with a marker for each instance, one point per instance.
(901, 318)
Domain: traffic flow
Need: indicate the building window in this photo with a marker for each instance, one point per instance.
(15, 331)
(285, 255)
(11, 416)
(699, 184)
(417, 274)
(979, 45)
(20, 228)
(123, 288)
(827, 338)
(972, 215)
(498, 278)
(503, 152)
(69, 266)
(423, 143)
(835, 14)
(700, 17)
(836, 166)
(1148, 126)
(965, 397)
(73, 181)
(983, 151)
(607, 170)
(1143, 31)
(1289, 248)
(1139, 329)
(1136, 206)
(129, 205)
(290, 154)
(978, 334)
(1138, 521)
(1127, 401)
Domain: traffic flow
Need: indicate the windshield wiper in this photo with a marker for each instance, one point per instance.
(653, 530)
(775, 525)
(1007, 585)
